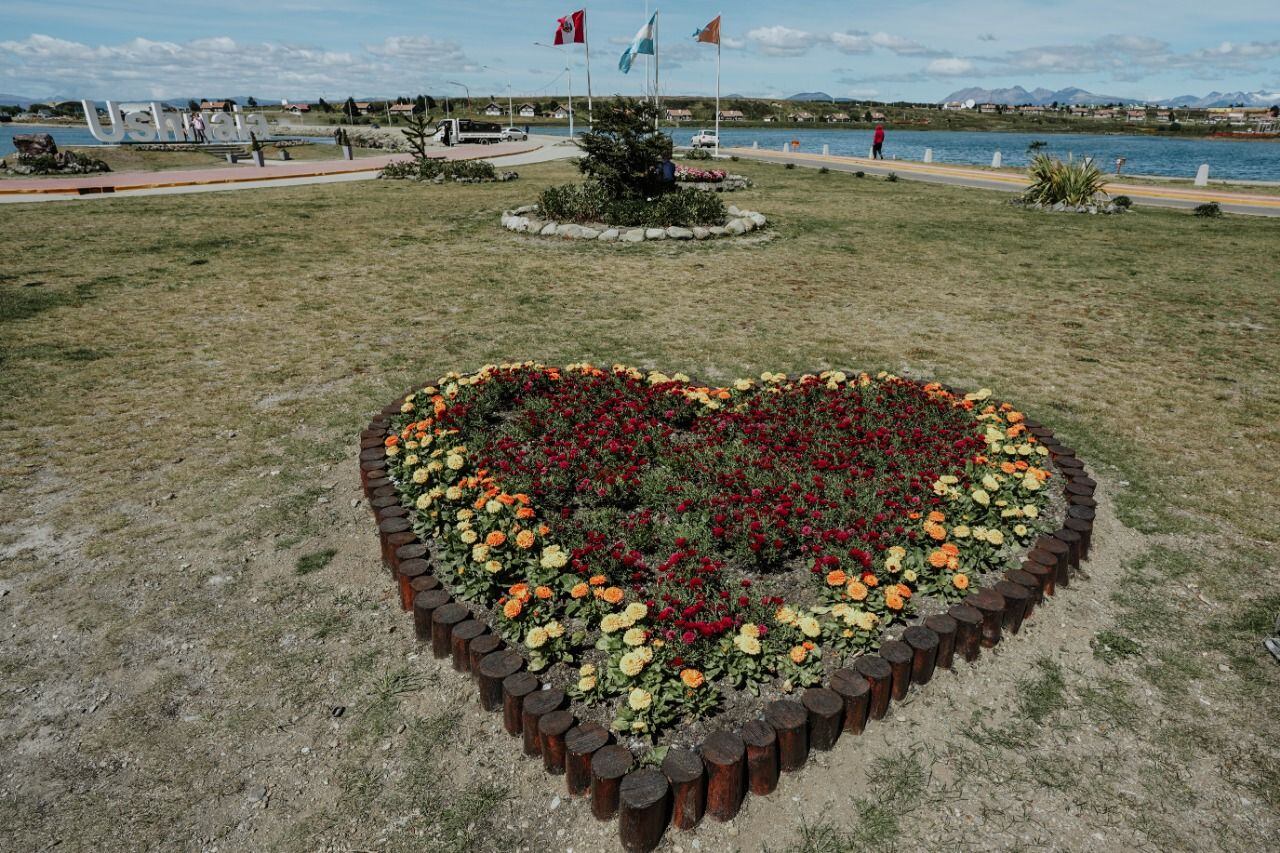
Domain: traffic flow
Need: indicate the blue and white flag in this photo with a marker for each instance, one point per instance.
(642, 43)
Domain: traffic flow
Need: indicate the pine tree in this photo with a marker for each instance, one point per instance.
(622, 151)
(417, 134)
(420, 106)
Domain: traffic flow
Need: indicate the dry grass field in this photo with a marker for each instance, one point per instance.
(201, 651)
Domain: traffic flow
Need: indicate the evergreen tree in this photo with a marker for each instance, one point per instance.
(417, 134)
(431, 102)
(420, 106)
(323, 106)
(350, 108)
(622, 151)
(251, 102)
(193, 106)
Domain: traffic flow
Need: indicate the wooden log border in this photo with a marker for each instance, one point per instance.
(1051, 565)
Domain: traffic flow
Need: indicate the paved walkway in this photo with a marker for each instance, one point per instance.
(274, 173)
(1231, 202)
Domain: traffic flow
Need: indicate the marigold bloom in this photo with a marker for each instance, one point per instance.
(938, 559)
(524, 539)
(836, 577)
(506, 499)
(870, 579)
(937, 517)
(520, 590)
(579, 590)
(495, 538)
(798, 654)
(857, 591)
(613, 595)
(543, 592)
(598, 580)
(893, 601)
(512, 608)
(692, 678)
(525, 513)
(903, 590)
(960, 581)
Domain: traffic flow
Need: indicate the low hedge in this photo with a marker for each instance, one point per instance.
(589, 203)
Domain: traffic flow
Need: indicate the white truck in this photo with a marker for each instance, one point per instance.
(705, 139)
(455, 131)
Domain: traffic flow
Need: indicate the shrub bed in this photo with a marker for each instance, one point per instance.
(437, 170)
(588, 202)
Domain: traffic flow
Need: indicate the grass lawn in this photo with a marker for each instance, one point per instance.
(126, 159)
(201, 649)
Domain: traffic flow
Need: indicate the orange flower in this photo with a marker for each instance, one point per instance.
(543, 530)
(520, 590)
(512, 608)
(522, 498)
(857, 591)
(692, 678)
(1021, 465)
(1008, 467)
(951, 549)
(525, 513)
(870, 579)
(479, 503)
(598, 580)
(809, 644)
(836, 577)
(392, 441)
(613, 595)
(936, 532)
(579, 590)
(495, 538)
(937, 517)
(904, 590)
(913, 515)
(524, 539)
(893, 601)
(960, 581)
(543, 592)
(938, 559)
(798, 654)
(953, 563)
(1014, 417)
(506, 499)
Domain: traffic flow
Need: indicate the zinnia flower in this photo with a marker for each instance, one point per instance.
(639, 699)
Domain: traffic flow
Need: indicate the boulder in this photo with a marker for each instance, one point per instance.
(675, 232)
(757, 219)
(569, 229)
(700, 233)
(655, 234)
(633, 235)
(586, 233)
(548, 230)
(734, 211)
(525, 209)
(717, 231)
(34, 144)
(736, 227)
(608, 235)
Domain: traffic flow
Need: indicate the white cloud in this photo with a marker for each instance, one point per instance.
(851, 42)
(783, 41)
(950, 66)
(901, 46)
(218, 65)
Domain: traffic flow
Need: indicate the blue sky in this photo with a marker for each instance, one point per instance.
(910, 49)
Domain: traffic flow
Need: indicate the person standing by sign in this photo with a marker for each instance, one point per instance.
(877, 143)
(197, 127)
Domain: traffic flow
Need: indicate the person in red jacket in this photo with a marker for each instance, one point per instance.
(877, 143)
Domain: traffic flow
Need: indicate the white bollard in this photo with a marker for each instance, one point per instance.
(928, 155)
(871, 152)
(1202, 175)
(785, 148)
(755, 143)
(996, 160)
(826, 150)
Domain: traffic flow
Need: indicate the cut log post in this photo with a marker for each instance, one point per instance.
(945, 627)
(392, 541)
(412, 551)
(899, 655)
(393, 511)
(643, 806)
(407, 572)
(855, 692)
(494, 669)
(924, 652)
(762, 757)
(968, 630)
(991, 605)
(460, 643)
(377, 503)
(1082, 500)
(580, 743)
(1044, 576)
(1016, 598)
(1072, 540)
(552, 728)
(684, 771)
(442, 622)
(826, 717)
(515, 688)
(480, 648)
(425, 605)
(1085, 530)
(1031, 583)
(535, 706)
(724, 754)
(1061, 558)
(879, 676)
(790, 721)
(608, 766)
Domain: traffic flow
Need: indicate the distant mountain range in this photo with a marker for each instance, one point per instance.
(1076, 96)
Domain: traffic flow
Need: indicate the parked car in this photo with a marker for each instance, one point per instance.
(705, 139)
(514, 134)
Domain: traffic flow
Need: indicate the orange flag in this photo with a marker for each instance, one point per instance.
(710, 33)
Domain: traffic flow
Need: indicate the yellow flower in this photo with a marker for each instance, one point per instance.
(909, 576)
(785, 616)
(634, 637)
(587, 683)
(536, 638)
(1020, 529)
(453, 493)
(411, 459)
(750, 629)
(1030, 482)
(434, 466)
(798, 654)
(480, 553)
(454, 461)
(610, 623)
(639, 699)
(960, 531)
(1031, 511)
(867, 621)
(464, 514)
(747, 645)
(493, 507)
(469, 536)
(980, 497)
(554, 630)
(423, 501)
(587, 669)
(635, 611)
(421, 476)
(809, 626)
(949, 479)
(990, 483)
(631, 664)
(493, 567)
(554, 558)
(393, 451)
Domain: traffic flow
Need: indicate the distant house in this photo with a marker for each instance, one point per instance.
(561, 111)
(298, 109)
(1081, 112)
(1104, 113)
(1135, 115)
(877, 116)
(953, 106)
(987, 109)
(679, 115)
(1031, 110)
(732, 115)
(770, 119)
(401, 109)
(801, 117)
(528, 110)
(493, 109)
(838, 117)
(224, 106)
(1163, 115)
(363, 107)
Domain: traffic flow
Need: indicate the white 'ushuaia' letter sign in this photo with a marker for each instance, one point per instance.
(165, 126)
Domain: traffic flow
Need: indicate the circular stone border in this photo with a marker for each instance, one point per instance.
(523, 221)
(715, 779)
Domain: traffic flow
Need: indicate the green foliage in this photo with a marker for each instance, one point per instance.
(1075, 182)
(1123, 202)
(892, 177)
(1110, 647)
(417, 134)
(314, 562)
(859, 174)
(430, 168)
(1036, 145)
(1210, 210)
(591, 203)
(623, 150)
(824, 171)
(789, 166)
(698, 154)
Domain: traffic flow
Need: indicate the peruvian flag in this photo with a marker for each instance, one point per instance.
(572, 29)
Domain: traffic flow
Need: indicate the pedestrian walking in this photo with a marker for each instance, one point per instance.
(877, 143)
(197, 127)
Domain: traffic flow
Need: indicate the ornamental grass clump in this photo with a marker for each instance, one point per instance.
(1074, 183)
(672, 542)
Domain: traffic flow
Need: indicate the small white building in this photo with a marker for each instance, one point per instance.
(493, 108)
(527, 110)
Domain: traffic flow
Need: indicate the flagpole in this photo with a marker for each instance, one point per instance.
(569, 74)
(586, 46)
(646, 56)
(656, 90)
(717, 88)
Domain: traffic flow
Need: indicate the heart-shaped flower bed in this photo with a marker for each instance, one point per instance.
(661, 546)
